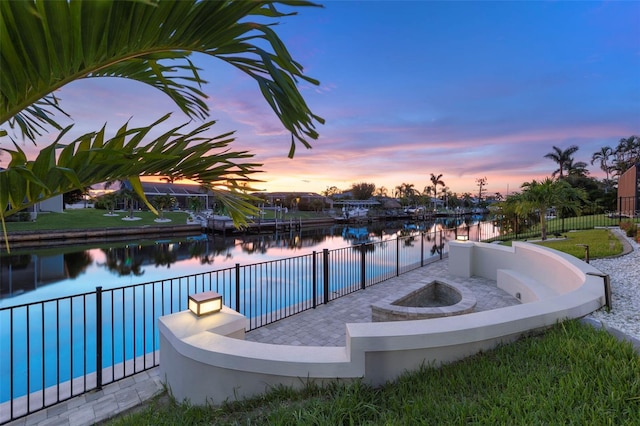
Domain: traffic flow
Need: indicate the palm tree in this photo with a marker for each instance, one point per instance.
(170, 179)
(195, 204)
(627, 153)
(603, 156)
(577, 169)
(381, 192)
(105, 39)
(435, 181)
(110, 200)
(539, 196)
(406, 192)
(162, 202)
(445, 193)
(130, 198)
(561, 157)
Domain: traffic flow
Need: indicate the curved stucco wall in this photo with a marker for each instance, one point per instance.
(559, 271)
(202, 363)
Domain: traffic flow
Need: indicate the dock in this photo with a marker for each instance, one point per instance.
(219, 225)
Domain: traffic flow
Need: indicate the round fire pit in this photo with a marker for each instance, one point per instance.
(436, 299)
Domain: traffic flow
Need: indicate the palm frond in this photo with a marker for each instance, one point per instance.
(55, 42)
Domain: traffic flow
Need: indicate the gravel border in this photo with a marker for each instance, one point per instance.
(623, 321)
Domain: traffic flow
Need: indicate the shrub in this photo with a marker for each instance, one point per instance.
(100, 204)
(630, 228)
(21, 216)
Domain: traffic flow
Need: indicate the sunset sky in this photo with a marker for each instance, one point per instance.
(466, 89)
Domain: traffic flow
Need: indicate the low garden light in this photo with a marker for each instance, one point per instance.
(205, 303)
(462, 238)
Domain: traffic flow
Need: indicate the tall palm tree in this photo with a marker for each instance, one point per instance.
(50, 43)
(602, 157)
(627, 153)
(561, 157)
(445, 193)
(435, 181)
(577, 169)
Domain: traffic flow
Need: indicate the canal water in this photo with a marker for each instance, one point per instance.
(35, 275)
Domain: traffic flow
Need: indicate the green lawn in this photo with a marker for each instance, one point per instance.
(572, 374)
(579, 222)
(601, 243)
(93, 218)
(555, 226)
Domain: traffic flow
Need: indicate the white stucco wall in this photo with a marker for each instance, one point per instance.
(206, 360)
(53, 204)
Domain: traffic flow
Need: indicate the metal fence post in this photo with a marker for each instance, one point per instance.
(363, 268)
(397, 256)
(99, 337)
(325, 270)
(421, 249)
(441, 245)
(314, 279)
(237, 287)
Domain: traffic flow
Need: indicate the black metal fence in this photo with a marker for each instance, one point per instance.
(53, 350)
(510, 228)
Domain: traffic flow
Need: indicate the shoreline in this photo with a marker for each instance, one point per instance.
(28, 239)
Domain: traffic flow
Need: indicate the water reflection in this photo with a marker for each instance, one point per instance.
(57, 272)
(76, 263)
(124, 261)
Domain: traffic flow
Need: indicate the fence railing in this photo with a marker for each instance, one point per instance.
(54, 350)
(510, 228)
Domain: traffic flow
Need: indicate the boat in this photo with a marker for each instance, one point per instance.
(354, 212)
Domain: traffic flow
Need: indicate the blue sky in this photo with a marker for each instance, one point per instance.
(466, 89)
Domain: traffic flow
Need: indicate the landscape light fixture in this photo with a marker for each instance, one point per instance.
(462, 238)
(205, 303)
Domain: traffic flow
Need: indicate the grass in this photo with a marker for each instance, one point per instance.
(596, 220)
(601, 242)
(92, 219)
(572, 374)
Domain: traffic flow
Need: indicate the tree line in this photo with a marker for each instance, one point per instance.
(436, 195)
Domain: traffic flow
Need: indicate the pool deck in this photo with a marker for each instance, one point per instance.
(323, 326)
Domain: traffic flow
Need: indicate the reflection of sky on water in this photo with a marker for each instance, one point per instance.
(133, 264)
(78, 272)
